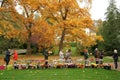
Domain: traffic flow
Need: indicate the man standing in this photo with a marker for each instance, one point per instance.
(115, 58)
(7, 57)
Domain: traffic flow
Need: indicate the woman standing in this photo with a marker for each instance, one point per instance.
(68, 56)
(115, 58)
(15, 55)
(61, 55)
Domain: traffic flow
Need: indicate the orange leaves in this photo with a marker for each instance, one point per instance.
(67, 3)
(12, 34)
(91, 40)
(31, 4)
(61, 14)
(43, 34)
(87, 22)
(69, 17)
(88, 41)
(22, 38)
(37, 29)
(8, 30)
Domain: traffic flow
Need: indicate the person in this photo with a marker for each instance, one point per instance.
(15, 65)
(45, 53)
(97, 55)
(15, 55)
(101, 57)
(7, 57)
(68, 56)
(61, 55)
(86, 56)
(115, 58)
(15, 58)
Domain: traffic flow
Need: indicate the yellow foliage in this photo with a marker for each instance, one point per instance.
(69, 16)
(66, 15)
(99, 38)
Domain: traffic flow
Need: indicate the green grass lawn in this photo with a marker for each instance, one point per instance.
(60, 74)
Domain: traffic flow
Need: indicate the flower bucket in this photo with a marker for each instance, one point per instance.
(2, 67)
(9, 67)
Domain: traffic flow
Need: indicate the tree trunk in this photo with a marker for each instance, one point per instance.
(29, 43)
(61, 40)
(28, 47)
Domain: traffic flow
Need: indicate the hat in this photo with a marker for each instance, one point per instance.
(115, 51)
(96, 49)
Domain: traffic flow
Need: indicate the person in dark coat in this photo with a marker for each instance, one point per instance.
(97, 55)
(45, 53)
(101, 57)
(86, 57)
(115, 58)
(7, 57)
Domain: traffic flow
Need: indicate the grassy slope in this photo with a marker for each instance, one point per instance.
(60, 74)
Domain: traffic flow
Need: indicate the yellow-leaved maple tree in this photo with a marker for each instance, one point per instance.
(43, 34)
(10, 20)
(31, 26)
(38, 30)
(70, 18)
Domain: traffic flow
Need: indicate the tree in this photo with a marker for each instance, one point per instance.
(38, 30)
(70, 19)
(111, 27)
(100, 40)
(64, 21)
(29, 26)
(43, 35)
(10, 25)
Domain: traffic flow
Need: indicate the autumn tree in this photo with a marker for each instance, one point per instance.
(38, 30)
(43, 35)
(10, 24)
(70, 19)
(66, 17)
(30, 25)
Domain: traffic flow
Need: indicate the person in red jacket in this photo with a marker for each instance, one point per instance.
(15, 55)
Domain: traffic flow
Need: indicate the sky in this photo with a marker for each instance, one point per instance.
(99, 7)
